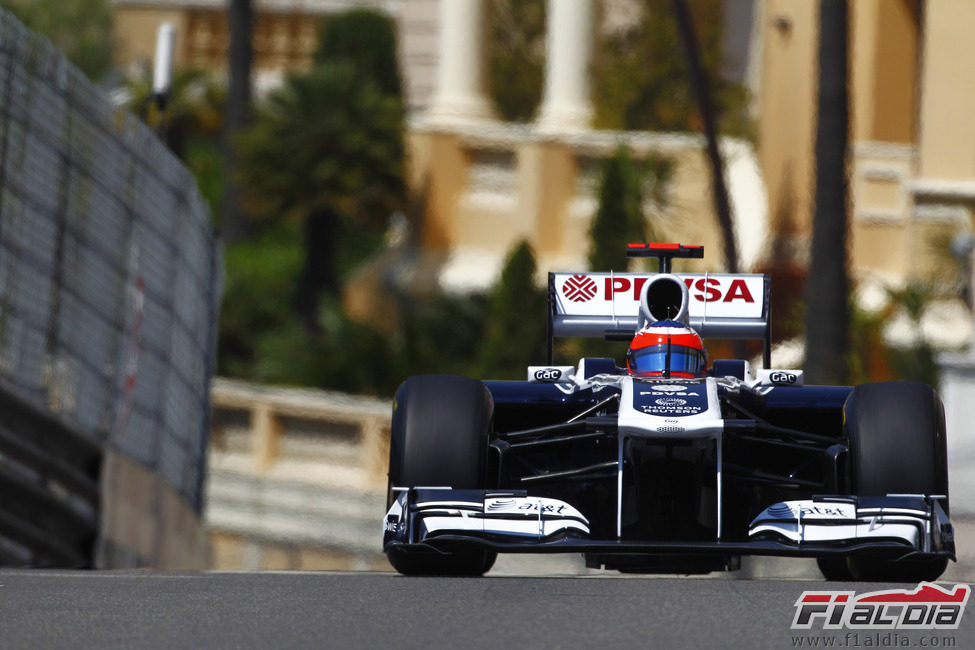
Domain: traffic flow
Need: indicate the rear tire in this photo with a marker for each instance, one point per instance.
(439, 437)
(896, 433)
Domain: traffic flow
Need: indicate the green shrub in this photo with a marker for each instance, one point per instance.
(516, 57)
(516, 332)
(641, 80)
(619, 219)
(367, 39)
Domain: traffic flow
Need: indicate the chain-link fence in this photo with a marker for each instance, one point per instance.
(108, 268)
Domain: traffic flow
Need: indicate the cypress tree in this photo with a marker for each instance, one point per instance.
(516, 331)
(516, 57)
(619, 219)
(366, 38)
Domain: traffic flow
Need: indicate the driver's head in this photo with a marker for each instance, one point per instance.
(667, 346)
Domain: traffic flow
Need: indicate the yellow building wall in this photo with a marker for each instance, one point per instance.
(282, 40)
(439, 168)
(135, 34)
(895, 72)
(556, 171)
(899, 126)
(880, 248)
(884, 37)
(863, 55)
(947, 136)
(786, 111)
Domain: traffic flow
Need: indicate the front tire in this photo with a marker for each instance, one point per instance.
(896, 433)
(439, 437)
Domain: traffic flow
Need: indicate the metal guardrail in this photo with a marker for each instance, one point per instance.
(109, 268)
(49, 490)
(109, 288)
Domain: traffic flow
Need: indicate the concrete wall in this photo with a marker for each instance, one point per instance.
(145, 522)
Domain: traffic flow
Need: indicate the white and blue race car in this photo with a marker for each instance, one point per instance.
(664, 472)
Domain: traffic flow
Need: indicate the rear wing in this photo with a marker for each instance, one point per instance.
(607, 305)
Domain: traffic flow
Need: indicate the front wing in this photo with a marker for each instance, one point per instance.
(439, 519)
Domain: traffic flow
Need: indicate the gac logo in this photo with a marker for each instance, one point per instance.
(779, 377)
(548, 374)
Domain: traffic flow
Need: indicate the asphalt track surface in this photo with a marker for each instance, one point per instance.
(57, 609)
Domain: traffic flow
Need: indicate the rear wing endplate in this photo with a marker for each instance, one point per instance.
(720, 305)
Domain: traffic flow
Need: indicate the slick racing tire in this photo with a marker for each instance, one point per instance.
(439, 437)
(896, 433)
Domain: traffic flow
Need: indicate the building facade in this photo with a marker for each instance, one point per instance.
(285, 36)
(487, 184)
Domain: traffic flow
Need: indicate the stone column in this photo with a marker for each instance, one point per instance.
(568, 50)
(460, 96)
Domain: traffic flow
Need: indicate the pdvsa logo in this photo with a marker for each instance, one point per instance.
(715, 289)
(579, 288)
(671, 401)
(927, 607)
(665, 388)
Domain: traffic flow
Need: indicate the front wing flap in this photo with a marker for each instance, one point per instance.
(419, 515)
(439, 518)
(916, 521)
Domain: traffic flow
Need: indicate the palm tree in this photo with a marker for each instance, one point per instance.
(240, 19)
(827, 289)
(702, 94)
(328, 145)
(194, 107)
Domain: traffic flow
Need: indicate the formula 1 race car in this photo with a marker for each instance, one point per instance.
(667, 465)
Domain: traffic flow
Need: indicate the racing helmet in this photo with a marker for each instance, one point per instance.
(667, 348)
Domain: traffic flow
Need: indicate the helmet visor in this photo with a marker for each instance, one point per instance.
(653, 359)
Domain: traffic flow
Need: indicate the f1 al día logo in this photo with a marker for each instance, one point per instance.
(927, 607)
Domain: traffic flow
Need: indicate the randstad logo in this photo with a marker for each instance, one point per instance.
(927, 607)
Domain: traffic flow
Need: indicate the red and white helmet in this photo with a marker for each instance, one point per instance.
(667, 348)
